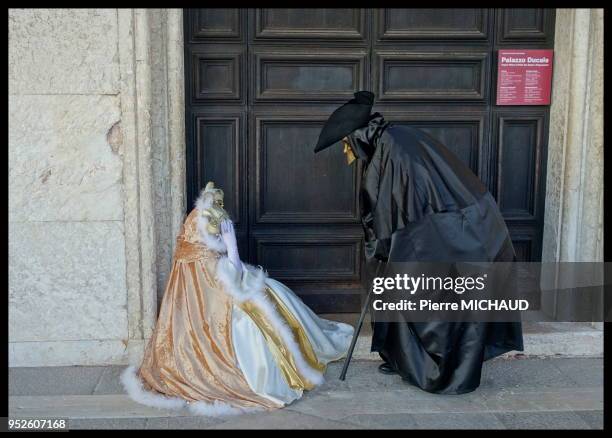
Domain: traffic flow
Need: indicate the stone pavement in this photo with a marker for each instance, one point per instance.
(529, 393)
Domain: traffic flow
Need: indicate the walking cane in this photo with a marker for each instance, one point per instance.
(366, 306)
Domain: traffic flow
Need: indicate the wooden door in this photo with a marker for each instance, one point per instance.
(261, 82)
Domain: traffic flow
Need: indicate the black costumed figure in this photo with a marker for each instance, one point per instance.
(420, 203)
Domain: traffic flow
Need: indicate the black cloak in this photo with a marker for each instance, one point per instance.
(420, 203)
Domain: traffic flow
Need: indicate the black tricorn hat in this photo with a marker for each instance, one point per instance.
(352, 115)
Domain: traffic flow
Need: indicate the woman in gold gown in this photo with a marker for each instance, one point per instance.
(229, 339)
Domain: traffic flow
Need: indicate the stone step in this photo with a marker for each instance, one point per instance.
(121, 406)
(541, 339)
(549, 393)
(85, 406)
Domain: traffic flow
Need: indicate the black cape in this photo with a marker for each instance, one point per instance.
(420, 203)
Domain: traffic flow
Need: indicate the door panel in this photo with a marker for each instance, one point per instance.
(219, 155)
(217, 77)
(422, 24)
(293, 184)
(519, 156)
(261, 82)
(322, 259)
(306, 76)
(526, 26)
(519, 150)
(443, 76)
(210, 24)
(327, 24)
(218, 74)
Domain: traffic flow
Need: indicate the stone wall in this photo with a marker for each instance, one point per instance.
(67, 289)
(96, 191)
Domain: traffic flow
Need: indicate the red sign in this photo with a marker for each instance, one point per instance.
(524, 77)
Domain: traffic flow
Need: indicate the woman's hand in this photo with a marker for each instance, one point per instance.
(229, 238)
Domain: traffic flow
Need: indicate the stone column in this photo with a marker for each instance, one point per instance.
(152, 97)
(168, 140)
(573, 221)
(175, 66)
(135, 70)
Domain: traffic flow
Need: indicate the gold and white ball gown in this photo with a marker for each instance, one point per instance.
(227, 341)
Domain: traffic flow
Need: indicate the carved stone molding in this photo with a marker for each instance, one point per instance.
(152, 105)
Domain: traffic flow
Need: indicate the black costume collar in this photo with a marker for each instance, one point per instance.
(364, 140)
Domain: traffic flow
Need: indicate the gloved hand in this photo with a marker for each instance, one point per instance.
(229, 238)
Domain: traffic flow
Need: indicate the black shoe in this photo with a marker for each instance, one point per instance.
(385, 368)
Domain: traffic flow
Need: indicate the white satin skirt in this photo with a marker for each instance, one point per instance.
(330, 341)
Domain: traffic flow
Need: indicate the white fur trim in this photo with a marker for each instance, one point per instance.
(251, 287)
(134, 388)
(215, 243)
